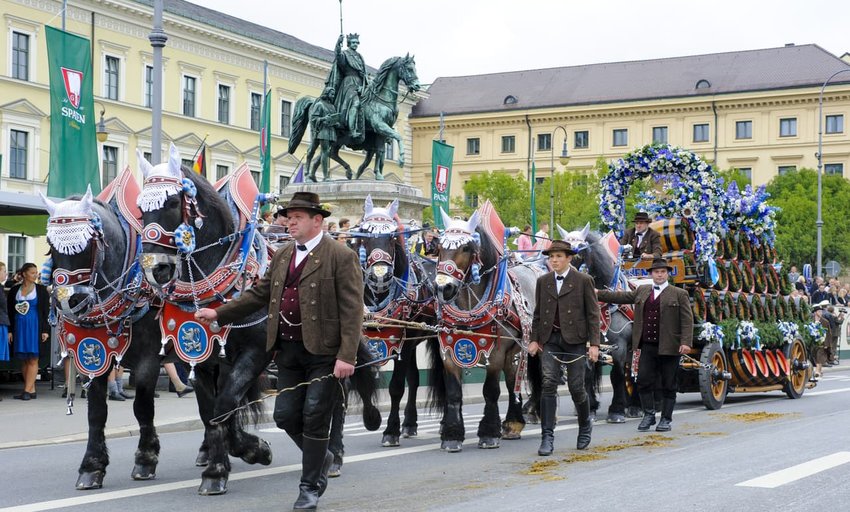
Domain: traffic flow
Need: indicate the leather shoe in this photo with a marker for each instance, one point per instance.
(647, 421)
(664, 425)
(186, 391)
(114, 395)
(126, 395)
(547, 445)
(615, 417)
(23, 396)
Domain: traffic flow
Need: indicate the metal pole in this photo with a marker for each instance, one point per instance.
(157, 38)
(819, 222)
(65, 9)
(442, 126)
(340, 17)
(552, 181)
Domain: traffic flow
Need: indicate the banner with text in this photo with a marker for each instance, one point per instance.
(441, 179)
(73, 146)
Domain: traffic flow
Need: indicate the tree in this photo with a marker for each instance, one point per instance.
(734, 174)
(796, 233)
(509, 194)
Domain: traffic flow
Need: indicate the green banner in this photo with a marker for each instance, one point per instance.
(441, 179)
(265, 145)
(73, 146)
(533, 199)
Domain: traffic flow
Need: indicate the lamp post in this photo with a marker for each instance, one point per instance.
(564, 159)
(819, 222)
(102, 133)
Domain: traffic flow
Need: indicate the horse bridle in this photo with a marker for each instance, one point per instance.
(448, 269)
(68, 283)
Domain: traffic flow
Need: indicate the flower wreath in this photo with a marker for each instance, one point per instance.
(745, 249)
(748, 335)
(760, 278)
(805, 311)
(710, 332)
(729, 310)
(713, 305)
(743, 307)
(722, 277)
(746, 277)
(790, 332)
(793, 310)
(734, 277)
(749, 212)
(773, 284)
(816, 333)
(757, 308)
(781, 307)
(689, 188)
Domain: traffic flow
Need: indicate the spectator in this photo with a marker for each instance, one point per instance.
(181, 388)
(800, 285)
(841, 299)
(432, 244)
(821, 294)
(541, 238)
(4, 319)
(27, 305)
(523, 242)
(793, 274)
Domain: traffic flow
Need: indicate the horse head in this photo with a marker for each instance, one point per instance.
(377, 248)
(407, 72)
(599, 264)
(577, 238)
(459, 259)
(77, 243)
(170, 215)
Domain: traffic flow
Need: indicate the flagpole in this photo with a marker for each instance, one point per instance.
(200, 147)
(340, 18)
(65, 9)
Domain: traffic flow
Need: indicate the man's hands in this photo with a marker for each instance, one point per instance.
(593, 353)
(647, 256)
(684, 349)
(343, 369)
(206, 316)
(533, 348)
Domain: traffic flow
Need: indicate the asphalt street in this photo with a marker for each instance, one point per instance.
(759, 452)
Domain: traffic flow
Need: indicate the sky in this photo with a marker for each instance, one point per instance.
(471, 37)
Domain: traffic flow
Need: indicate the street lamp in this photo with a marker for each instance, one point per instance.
(101, 132)
(819, 222)
(564, 159)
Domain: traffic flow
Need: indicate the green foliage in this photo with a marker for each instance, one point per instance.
(730, 330)
(733, 174)
(769, 334)
(428, 215)
(796, 232)
(509, 194)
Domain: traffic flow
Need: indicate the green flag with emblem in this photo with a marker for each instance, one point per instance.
(441, 179)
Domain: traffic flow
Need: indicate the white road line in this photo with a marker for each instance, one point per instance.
(826, 392)
(794, 473)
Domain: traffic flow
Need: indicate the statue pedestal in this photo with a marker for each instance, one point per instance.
(347, 197)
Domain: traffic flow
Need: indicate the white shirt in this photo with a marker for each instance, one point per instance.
(311, 244)
(656, 293)
(559, 282)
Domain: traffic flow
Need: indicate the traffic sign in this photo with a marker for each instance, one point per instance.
(832, 268)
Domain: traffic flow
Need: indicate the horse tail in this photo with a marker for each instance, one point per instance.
(300, 120)
(534, 375)
(436, 378)
(251, 405)
(365, 383)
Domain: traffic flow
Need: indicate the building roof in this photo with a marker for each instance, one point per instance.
(733, 72)
(243, 28)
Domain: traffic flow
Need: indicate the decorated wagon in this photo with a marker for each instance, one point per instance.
(750, 334)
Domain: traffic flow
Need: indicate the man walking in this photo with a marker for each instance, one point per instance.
(662, 333)
(566, 318)
(313, 291)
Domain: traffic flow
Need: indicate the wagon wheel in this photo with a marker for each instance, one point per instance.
(795, 385)
(712, 386)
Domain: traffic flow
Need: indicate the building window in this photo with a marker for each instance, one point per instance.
(256, 176)
(110, 165)
(256, 108)
(473, 146)
(743, 129)
(221, 171)
(834, 169)
(187, 162)
(282, 182)
(788, 127)
(389, 152)
(111, 77)
(621, 137)
(18, 149)
(746, 172)
(785, 169)
(659, 135)
(20, 56)
(149, 86)
(835, 123)
(701, 132)
(470, 199)
(581, 140)
(223, 104)
(148, 155)
(544, 142)
(285, 118)
(189, 96)
(17, 253)
(508, 144)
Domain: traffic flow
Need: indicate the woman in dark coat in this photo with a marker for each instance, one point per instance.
(28, 304)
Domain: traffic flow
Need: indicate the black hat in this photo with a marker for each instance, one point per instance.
(660, 263)
(559, 246)
(304, 201)
(641, 217)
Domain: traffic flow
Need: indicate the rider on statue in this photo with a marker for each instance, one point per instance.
(348, 77)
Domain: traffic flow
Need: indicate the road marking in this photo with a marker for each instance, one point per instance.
(827, 392)
(794, 473)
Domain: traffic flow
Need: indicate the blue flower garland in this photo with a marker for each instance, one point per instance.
(750, 213)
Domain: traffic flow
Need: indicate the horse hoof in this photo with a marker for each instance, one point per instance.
(89, 480)
(615, 417)
(371, 418)
(511, 436)
(144, 472)
(452, 446)
(408, 432)
(488, 443)
(202, 459)
(389, 441)
(531, 418)
(261, 454)
(512, 430)
(335, 470)
(213, 486)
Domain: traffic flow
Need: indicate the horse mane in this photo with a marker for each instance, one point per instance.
(380, 78)
(216, 214)
(600, 265)
(488, 255)
(403, 264)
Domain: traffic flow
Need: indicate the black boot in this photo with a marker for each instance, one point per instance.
(648, 403)
(585, 425)
(665, 425)
(329, 459)
(313, 458)
(548, 404)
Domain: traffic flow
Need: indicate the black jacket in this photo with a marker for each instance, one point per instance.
(43, 307)
(4, 313)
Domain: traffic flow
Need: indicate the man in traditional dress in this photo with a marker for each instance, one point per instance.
(646, 242)
(662, 332)
(566, 318)
(348, 78)
(313, 291)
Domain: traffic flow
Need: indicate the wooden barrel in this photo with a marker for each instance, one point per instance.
(745, 249)
(743, 367)
(676, 234)
(781, 308)
(772, 363)
(783, 362)
(747, 278)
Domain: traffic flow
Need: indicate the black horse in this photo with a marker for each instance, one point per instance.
(97, 287)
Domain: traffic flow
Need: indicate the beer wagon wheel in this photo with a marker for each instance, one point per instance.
(712, 386)
(795, 385)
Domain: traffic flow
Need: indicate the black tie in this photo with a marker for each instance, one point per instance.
(656, 288)
(301, 247)
(559, 278)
